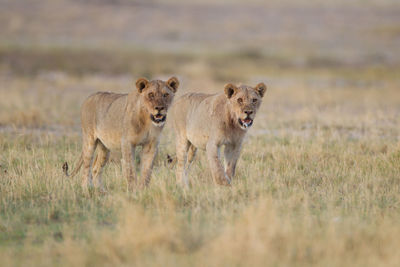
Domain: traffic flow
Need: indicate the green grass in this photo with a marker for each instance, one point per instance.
(234, 65)
(294, 201)
(317, 184)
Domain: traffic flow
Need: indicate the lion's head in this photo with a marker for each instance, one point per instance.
(244, 101)
(157, 96)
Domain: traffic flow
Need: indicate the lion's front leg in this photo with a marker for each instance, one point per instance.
(128, 162)
(149, 153)
(232, 153)
(214, 161)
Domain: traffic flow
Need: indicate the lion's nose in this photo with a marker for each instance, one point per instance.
(248, 112)
(159, 108)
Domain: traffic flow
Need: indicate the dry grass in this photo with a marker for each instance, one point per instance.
(296, 201)
(318, 181)
(317, 185)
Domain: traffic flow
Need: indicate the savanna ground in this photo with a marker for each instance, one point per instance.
(318, 182)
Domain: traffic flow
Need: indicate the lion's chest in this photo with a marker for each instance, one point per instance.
(145, 135)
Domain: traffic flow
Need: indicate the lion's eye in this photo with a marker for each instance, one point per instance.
(254, 100)
(165, 95)
(151, 95)
(240, 101)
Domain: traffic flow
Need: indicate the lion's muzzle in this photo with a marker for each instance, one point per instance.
(248, 120)
(245, 123)
(158, 119)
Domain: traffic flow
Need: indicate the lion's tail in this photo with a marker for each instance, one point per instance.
(171, 161)
(77, 168)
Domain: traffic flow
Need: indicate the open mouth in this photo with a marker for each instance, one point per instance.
(158, 119)
(246, 123)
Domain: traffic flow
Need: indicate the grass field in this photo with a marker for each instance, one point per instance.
(318, 181)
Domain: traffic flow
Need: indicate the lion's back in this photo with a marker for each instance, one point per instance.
(101, 107)
(188, 101)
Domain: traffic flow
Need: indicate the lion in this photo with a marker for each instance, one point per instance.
(124, 121)
(209, 121)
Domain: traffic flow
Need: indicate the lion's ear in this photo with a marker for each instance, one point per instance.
(230, 90)
(141, 84)
(261, 88)
(173, 83)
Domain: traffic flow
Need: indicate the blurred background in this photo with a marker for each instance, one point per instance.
(317, 180)
(326, 63)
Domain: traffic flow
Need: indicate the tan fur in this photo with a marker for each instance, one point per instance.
(210, 121)
(125, 121)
